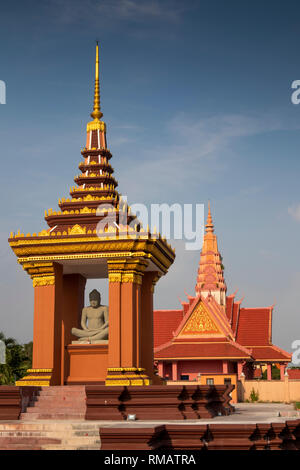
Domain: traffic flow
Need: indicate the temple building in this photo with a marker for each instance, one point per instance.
(212, 335)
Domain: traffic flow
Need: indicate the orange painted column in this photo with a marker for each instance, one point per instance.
(239, 369)
(73, 303)
(269, 371)
(161, 369)
(47, 322)
(125, 307)
(114, 329)
(282, 371)
(130, 324)
(174, 371)
(146, 322)
(225, 367)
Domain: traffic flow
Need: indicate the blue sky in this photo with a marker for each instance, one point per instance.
(197, 100)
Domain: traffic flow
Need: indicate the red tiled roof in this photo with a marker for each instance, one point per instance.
(201, 350)
(164, 323)
(294, 373)
(254, 326)
(235, 315)
(268, 353)
(229, 305)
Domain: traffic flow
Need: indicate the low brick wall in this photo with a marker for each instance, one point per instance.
(14, 400)
(266, 436)
(285, 391)
(157, 402)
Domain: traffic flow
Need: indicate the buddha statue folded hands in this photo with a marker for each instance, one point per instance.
(94, 321)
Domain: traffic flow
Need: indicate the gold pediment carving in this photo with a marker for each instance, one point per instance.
(200, 322)
(77, 230)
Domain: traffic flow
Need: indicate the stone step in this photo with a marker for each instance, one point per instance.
(62, 434)
(28, 441)
(58, 388)
(60, 408)
(64, 389)
(51, 415)
(79, 441)
(77, 426)
(61, 394)
(20, 447)
(54, 399)
(65, 447)
(54, 409)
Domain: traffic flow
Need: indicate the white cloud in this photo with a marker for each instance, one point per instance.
(199, 147)
(294, 212)
(75, 11)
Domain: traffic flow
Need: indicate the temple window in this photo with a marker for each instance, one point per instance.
(184, 377)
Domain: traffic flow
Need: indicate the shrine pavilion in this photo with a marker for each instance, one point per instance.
(93, 235)
(212, 335)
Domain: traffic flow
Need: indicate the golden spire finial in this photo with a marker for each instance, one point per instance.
(209, 223)
(96, 114)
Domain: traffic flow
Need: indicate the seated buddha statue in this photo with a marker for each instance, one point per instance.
(94, 321)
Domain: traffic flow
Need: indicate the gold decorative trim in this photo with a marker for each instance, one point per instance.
(192, 358)
(141, 240)
(95, 125)
(90, 248)
(115, 277)
(34, 377)
(77, 230)
(42, 281)
(34, 383)
(125, 369)
(123, 382)
(199, 322)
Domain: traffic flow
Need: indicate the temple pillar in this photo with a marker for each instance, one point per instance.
(225, 367)
(282, 371)
(239, 369)
(286, 388)
(269, 371)
(174, 371)
(73, 303)
(161, 369)
(146, 322)
(47, 336)
(131, 311)
(125, 360)
(114, 335)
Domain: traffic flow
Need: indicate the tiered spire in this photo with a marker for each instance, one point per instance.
(96, 185)
(96, 114)
(210, 279)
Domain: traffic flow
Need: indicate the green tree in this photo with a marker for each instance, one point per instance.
(275, 373)
(18, 360)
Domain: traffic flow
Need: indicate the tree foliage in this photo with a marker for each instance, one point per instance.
(18, 360)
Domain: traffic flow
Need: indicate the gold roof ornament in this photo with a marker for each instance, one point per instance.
(96, 114)
(77, 230)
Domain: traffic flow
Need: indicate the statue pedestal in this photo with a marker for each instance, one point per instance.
(87, 363)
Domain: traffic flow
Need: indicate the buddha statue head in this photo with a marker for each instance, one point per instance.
(95, 298)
